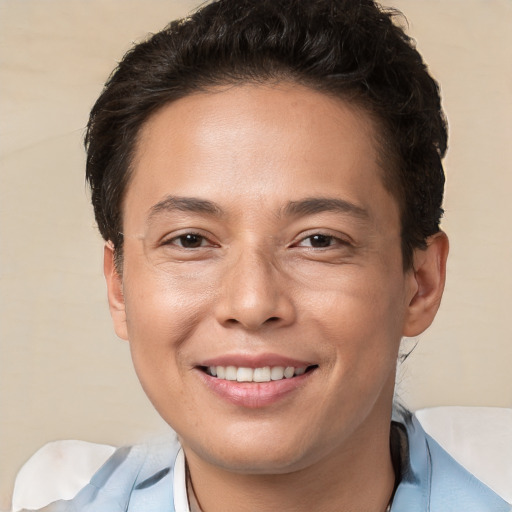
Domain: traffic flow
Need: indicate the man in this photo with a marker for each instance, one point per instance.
(267, 177)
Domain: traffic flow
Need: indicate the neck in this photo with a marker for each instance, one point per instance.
(358, 476)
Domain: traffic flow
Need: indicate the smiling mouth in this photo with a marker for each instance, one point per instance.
(258, 375)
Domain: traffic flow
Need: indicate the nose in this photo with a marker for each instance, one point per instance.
(254, 294)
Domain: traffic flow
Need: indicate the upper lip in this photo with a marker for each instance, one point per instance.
(255, 361)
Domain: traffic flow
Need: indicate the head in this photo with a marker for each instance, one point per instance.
(349, 50)
(269, 180)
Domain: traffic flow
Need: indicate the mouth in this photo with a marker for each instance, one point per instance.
(256, 375)
(256, 381)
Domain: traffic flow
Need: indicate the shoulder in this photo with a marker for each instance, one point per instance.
(444, 461)
(133, 478)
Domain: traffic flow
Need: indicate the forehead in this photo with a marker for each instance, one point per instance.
(256, 142)
(247, 107)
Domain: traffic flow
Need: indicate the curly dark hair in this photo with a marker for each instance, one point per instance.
(351, 49)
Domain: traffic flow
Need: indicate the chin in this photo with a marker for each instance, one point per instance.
(266, 453)
(261, 463)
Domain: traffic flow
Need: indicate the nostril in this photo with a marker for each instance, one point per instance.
(272, 319)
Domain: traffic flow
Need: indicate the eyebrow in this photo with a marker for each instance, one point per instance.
(308, 206)
(185, 204)
(313, 205)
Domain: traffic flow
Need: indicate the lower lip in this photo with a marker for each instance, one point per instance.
(254, 395)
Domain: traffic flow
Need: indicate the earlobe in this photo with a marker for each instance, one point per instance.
(428, 276)
(114, 291)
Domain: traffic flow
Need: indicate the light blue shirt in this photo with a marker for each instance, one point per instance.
(151, 478)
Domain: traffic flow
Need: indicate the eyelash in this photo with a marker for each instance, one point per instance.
(333, 241)
(172, 241)
(322, 237)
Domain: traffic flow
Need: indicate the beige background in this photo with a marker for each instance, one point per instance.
(63, 374)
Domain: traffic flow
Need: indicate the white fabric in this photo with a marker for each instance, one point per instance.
(56, 471)
(180, 483)
(478, 438)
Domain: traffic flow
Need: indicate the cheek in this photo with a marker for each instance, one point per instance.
(164, 303)
(358, 318)
(162, 313)
(355, 298)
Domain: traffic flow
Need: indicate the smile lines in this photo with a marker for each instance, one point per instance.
(264, 374)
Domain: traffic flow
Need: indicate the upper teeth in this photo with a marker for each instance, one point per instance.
(264, 374)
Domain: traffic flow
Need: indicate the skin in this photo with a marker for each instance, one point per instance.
(316, 283)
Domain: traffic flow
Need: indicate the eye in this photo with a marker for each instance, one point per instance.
(320, 241)
(188, 241)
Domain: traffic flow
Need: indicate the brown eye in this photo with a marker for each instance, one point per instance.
(189, 241)
(321, 240)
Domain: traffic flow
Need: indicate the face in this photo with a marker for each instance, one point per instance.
(262, 293)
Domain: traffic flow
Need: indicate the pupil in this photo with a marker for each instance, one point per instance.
(320, 241)
(191, 241)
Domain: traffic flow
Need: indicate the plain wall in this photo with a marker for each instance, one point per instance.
(63, 373)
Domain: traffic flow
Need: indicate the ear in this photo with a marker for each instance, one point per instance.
(114, 291)
(427, 284)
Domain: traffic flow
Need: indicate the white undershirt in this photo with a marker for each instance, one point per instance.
(180, 484)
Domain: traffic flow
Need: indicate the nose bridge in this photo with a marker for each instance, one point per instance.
(254, 291)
